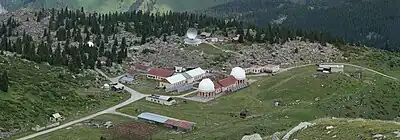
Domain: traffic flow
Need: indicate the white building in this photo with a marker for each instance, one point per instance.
(206, 88)
(263, 69)
(164, 100)
(214, 39)
(173, 81)
(239, 74)
(235, 81)
(179, 69)
(56, 117)
(106, 87)
(118, 87)
(330, 68)
(182, 81)
(196, 74)
(90, 43)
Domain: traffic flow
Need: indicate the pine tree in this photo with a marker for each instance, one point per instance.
(108, 62)
(4, 81)
(241, 38)
(165, 38)
(258, 38)
(98, 64)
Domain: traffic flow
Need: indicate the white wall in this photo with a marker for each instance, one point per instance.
(163, 102)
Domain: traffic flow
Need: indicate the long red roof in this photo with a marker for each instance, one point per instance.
(230, 80)
(177, 123)
(160, 72)
(140, 66)
(217, 85)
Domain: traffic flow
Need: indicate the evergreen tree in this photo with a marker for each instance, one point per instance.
(108, 62)
(165, 38)
(98, 64)
(4, 81)
(258, 38)
(241, 38)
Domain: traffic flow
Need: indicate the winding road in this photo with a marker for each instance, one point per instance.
(135, 96)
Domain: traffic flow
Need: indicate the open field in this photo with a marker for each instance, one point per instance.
(146, 86)
(348, 129)
(304, 95)
(84, 132)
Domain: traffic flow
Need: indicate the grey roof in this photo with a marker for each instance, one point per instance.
(127, 78)
(154, 117)
(187, 76)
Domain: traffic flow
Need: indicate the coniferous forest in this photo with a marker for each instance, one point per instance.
(373, 23)
(66, 26)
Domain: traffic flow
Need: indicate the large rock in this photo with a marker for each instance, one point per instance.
(252, 137)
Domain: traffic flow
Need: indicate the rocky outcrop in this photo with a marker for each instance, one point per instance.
(302, 125)
(252, 137)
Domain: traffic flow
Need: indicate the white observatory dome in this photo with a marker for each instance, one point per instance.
(206, 85)
(191, 33)
(90, 43)
(238, 73)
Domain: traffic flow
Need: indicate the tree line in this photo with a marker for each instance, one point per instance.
(65, 39)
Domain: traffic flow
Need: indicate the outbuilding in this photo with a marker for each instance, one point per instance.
(179, 125)
(127, 79)
(153, 118)
(164, 100)
(330, 68)
(118, 87)
(56, 117)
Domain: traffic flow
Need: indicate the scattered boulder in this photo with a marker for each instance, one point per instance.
(379, 137)
(396, 134)
(252, 137)
(329, 127)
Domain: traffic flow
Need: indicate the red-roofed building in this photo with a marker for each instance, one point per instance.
(179, 125)
(140, 67)
(158, 73)
(218, 87)
(228, 83)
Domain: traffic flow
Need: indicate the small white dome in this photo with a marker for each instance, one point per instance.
(206, 85)
(238, 73)
(90, 44)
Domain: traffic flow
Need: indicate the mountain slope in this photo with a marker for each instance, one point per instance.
(372, 22)
(115, 5)
(90, 5)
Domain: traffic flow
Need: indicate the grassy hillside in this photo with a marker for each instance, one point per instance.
(301, 92)
(37, 91)
(348, 129)
(188, 5)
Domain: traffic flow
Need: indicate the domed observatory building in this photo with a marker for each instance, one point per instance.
(240, 75)
(191, 39)
(206, 88)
